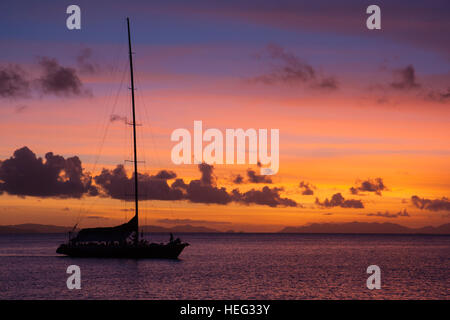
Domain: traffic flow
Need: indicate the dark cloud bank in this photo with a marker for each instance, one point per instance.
(252, 177)
(54, 79)
(307, 188)
(442, 204)
(406, 79)
(59, 80)
(84, 62)
(337, 200)
(386, 214)
(13, 82)
(26, 175)
(370, 185)
(439, 96)
(290, 69)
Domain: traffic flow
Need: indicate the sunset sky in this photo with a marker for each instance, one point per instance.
(364, 115)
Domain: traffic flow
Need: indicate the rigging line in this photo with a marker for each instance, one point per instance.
(105, 119)
(140, 101)
(127, 150)
(116, 67)
(140, 97)
(144, 156)
(142, 150)
(158, 159)
(105, 101)
(147, 118)
(125, 153)
(108, 123)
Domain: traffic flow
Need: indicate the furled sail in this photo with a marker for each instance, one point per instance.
(118, 233)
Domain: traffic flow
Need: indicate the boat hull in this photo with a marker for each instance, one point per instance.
(150, 251)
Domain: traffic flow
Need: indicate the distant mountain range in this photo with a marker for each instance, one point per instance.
(366, 227)
(33, 228)
(180, 228)
(40, 228)
(350, 227)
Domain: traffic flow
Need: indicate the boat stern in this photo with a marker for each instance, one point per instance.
(62, 249)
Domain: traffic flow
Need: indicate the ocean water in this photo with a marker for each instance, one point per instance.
(236, 266)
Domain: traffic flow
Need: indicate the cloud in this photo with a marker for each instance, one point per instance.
(266, 196)
(291, 70)
(205, 191)
(117, 185)
(308, 189)
(54, 79)
(207, 178)
(201, 193)
(20, 109)
(376, 185)
(59, 80)
(26, 175)
(442, 204)
(386, 214)
(328, 84)
(179, 184)
(439, 96)
(337, 200)
(13, 82)
(253, 177)
(116, 117)
(406, 79)
(238, 179)
(84, 65)
(165, 175)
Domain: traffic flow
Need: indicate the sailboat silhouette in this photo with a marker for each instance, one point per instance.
(122, 241)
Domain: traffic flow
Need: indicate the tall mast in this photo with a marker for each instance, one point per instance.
(134, 136)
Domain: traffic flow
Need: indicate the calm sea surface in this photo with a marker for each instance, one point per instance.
(236, 266)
